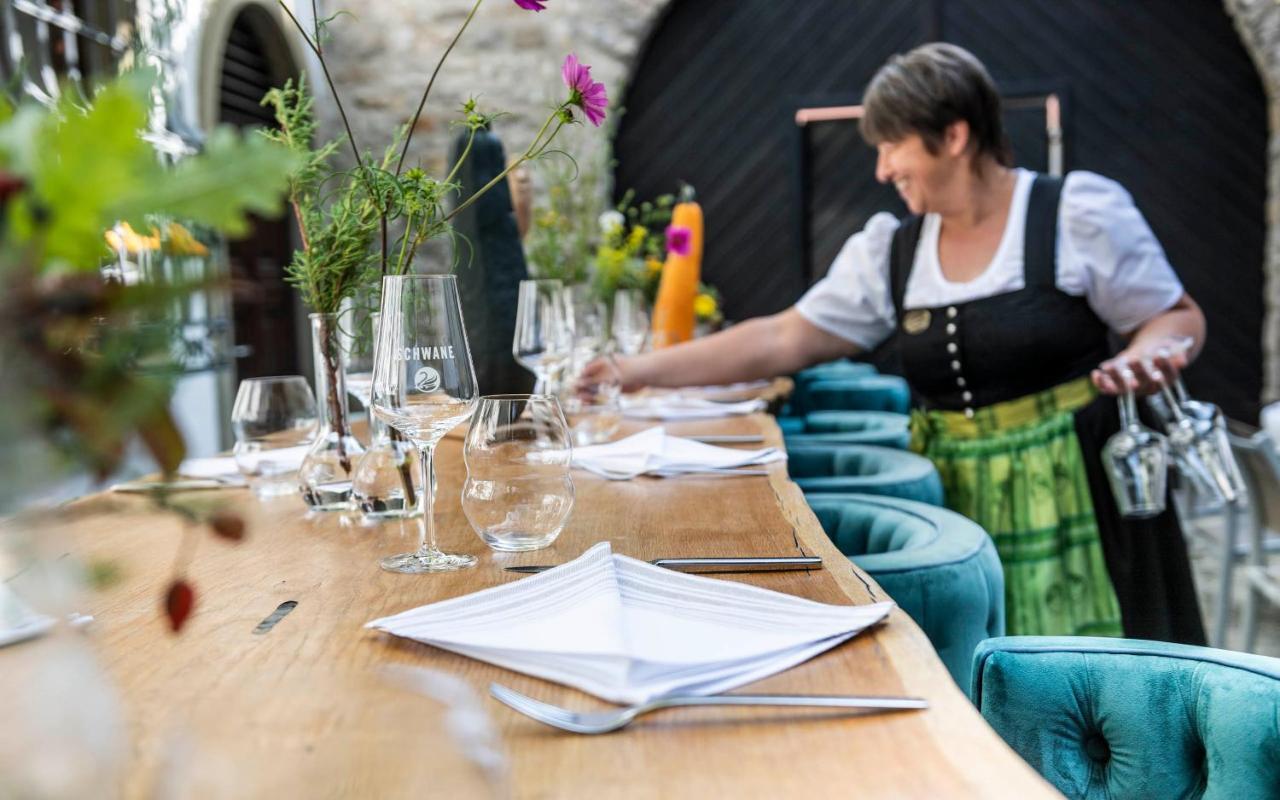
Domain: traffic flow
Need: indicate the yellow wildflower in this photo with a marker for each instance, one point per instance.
(182, 243)
(635, 240)
(653, 266)
(124, 237)
(704, 306)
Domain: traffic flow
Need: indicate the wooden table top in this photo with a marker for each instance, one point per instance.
(308, 710)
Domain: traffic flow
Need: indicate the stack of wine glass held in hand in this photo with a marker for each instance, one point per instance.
(559, 330)
(1137, 457)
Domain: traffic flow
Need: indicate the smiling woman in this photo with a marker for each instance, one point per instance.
(999, 293)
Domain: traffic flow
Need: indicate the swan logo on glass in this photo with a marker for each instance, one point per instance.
(426, 379)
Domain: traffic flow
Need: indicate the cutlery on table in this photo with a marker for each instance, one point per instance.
(626, 475)
(180, 484)
(606, 721)
(746, 564)
(728, 438)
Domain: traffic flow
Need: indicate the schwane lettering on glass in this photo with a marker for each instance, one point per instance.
(427, 353)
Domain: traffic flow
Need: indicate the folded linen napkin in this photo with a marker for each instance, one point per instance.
(656, 451)
(226, 468)
(627, 631)
(674, 407)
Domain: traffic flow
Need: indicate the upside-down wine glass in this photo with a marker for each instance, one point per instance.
(423, 385)
(1136, 459)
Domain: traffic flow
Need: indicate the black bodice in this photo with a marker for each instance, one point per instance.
(969, 355)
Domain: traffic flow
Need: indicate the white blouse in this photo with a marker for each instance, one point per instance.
(1106, 252)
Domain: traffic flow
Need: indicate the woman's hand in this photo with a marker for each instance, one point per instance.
(1142, 372)
(610, 369)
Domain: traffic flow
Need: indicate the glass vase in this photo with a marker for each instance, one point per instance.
(325, 476)
(383, 485)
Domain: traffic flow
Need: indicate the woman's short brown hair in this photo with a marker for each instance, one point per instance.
(928, 89)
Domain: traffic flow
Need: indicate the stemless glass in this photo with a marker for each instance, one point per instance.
(543, 333)
(1137, 463)
(423, 385)
(518, 493)
(274, 421)
(630, 321)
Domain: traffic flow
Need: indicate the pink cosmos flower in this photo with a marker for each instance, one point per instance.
(532, 5)
(679, 240)
(585, 93)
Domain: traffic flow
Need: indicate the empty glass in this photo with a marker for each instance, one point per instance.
(543, 336)
(519, 493)
(1198, 439)
(1137, 463)
(423, 385)
(630, 321)
(274, 421)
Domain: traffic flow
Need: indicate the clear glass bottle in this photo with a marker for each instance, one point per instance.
(325, 475)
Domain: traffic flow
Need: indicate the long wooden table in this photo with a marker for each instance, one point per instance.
(309, 709)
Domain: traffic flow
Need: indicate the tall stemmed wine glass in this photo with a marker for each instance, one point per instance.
(543, 338)
(423, 385)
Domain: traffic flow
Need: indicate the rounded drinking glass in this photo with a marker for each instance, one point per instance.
(519, 493)
(274, 421)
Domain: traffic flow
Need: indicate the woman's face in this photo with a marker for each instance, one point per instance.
(921, 178)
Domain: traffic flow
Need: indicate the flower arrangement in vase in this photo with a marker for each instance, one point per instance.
(371, 220)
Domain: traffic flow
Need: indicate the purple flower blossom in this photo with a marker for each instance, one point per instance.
(532, 5)
(585, 93)
(679, 240)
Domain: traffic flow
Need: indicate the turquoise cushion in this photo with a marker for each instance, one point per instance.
(1122, 718)
(833, 369)
(938, 566)
(791, 425)
(881, 428)
(864, 469)
(868, 393)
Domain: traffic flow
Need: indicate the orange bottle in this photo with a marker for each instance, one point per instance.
(673, 309)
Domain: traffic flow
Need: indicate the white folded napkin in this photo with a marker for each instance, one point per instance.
(627, 631)
(677, 407)
(657, 452)
(226, 468)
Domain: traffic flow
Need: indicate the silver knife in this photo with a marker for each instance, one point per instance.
(728, 438)
(775, 564)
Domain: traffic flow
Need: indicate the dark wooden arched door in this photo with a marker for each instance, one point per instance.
(266, 314)
(1158, 94)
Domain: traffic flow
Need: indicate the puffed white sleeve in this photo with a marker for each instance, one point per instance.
(853, 301)
(1108, 253)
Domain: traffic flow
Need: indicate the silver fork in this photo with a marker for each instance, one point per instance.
(626, 475)
(608, 721)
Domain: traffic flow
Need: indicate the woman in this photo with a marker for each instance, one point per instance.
(1000, 292)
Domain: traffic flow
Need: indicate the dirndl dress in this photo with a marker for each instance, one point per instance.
(1016, 431)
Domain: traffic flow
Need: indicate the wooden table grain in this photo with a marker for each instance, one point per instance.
(307, 709)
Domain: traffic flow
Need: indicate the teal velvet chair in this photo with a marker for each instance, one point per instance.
(864, 469)
(867, 393)
(938, 566)
(1122, 718)
(882, 428)
(829, 370)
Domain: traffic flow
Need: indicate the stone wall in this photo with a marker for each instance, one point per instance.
(511, 59)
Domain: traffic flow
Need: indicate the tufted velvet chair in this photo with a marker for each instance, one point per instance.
(940, 568)
(1123, 718)
(882, 428)
(865, 393)
(864, 469)
(826, 371)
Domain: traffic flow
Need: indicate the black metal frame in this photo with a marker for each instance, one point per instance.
(50, 42)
